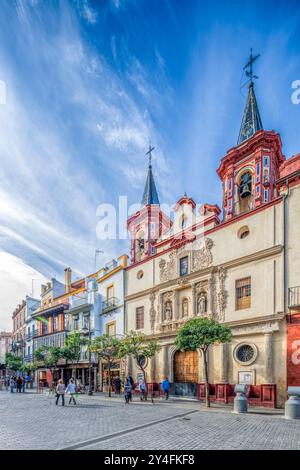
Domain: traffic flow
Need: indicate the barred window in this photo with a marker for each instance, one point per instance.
(184, 266)
(139, 318)
(243, 293)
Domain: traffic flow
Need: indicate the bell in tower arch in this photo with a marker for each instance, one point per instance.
(245, 187)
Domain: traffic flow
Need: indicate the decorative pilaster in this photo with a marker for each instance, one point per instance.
(166, 361)
(161, 307)
(223, 363)
(153, 369)
(176, 305)
(194, 300)
(269, 357)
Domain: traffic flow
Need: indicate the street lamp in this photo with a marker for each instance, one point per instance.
(88, 330)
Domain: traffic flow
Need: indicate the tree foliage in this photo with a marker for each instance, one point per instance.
(200, 333)
(108, 349)
(48, 356)
(13, 362)
(72, 349)
(138, 346)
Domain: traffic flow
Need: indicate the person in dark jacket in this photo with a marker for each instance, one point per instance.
(128, 391)
(19, 384)
(117, 385)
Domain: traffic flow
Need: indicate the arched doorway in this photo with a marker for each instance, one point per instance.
(186, 373)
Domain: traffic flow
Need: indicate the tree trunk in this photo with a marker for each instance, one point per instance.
(109, 381)
(207, 401)
(144, 375)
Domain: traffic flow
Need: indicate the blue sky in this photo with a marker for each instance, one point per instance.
(88, 83)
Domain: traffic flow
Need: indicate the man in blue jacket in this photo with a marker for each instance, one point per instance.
(166, 387)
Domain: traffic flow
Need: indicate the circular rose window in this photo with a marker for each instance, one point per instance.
(245, 353)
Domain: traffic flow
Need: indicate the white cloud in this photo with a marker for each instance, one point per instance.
(15, 283)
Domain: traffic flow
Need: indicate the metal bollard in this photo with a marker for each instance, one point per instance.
(292, 405)
(240, 401)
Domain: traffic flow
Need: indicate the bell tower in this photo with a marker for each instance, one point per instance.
(147, 225)
(248, 171)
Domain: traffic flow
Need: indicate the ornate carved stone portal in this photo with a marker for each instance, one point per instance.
(200, 256)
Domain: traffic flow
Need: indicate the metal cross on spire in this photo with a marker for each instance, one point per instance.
(249, 65)
(150, 153)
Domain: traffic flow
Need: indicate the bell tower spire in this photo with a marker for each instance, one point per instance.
(251, 122)
(150, 196)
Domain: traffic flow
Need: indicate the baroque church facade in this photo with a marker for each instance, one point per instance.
(241, 269)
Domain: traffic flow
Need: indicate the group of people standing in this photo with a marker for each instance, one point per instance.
(142, 389)
(17, 382)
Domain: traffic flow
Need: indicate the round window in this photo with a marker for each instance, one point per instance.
(243, 232)
(245, 353)
(140, 274)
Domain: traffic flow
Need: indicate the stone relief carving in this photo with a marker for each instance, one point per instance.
(200, 258)
(152, 310)
(221, 296)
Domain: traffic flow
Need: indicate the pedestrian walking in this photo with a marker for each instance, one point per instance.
(143, 390)
(71, 389)
(166, 387)
(60, 392)
(117, 385)
(12, 384)
(128, 391)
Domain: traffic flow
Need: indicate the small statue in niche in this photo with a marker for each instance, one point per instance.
(168, 311)
(185, 308)
(201, 304)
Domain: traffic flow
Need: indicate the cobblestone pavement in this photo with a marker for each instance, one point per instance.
(102, 423)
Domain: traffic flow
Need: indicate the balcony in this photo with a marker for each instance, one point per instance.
(28, 358)
(78, 300)
(294, 298)
(110, 304)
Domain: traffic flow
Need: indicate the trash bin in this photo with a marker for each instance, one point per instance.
(292, 405)
(240, 400)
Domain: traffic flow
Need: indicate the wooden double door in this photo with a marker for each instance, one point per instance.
(186, 366)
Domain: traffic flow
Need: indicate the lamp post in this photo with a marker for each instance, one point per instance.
(88, 330)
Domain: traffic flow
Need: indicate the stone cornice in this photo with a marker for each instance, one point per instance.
(263, 325)
(199, 275)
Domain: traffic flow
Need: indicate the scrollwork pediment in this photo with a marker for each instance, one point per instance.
(200, 256)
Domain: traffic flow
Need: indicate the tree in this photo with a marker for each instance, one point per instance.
(72, 348)
(13, 362)
(200, 333)
(49, 356)
(138, 346)
(108, 348)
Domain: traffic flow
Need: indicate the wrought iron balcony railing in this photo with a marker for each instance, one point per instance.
(109, 305)
(294, 297)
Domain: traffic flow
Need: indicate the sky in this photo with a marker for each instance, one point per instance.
(88, 83)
